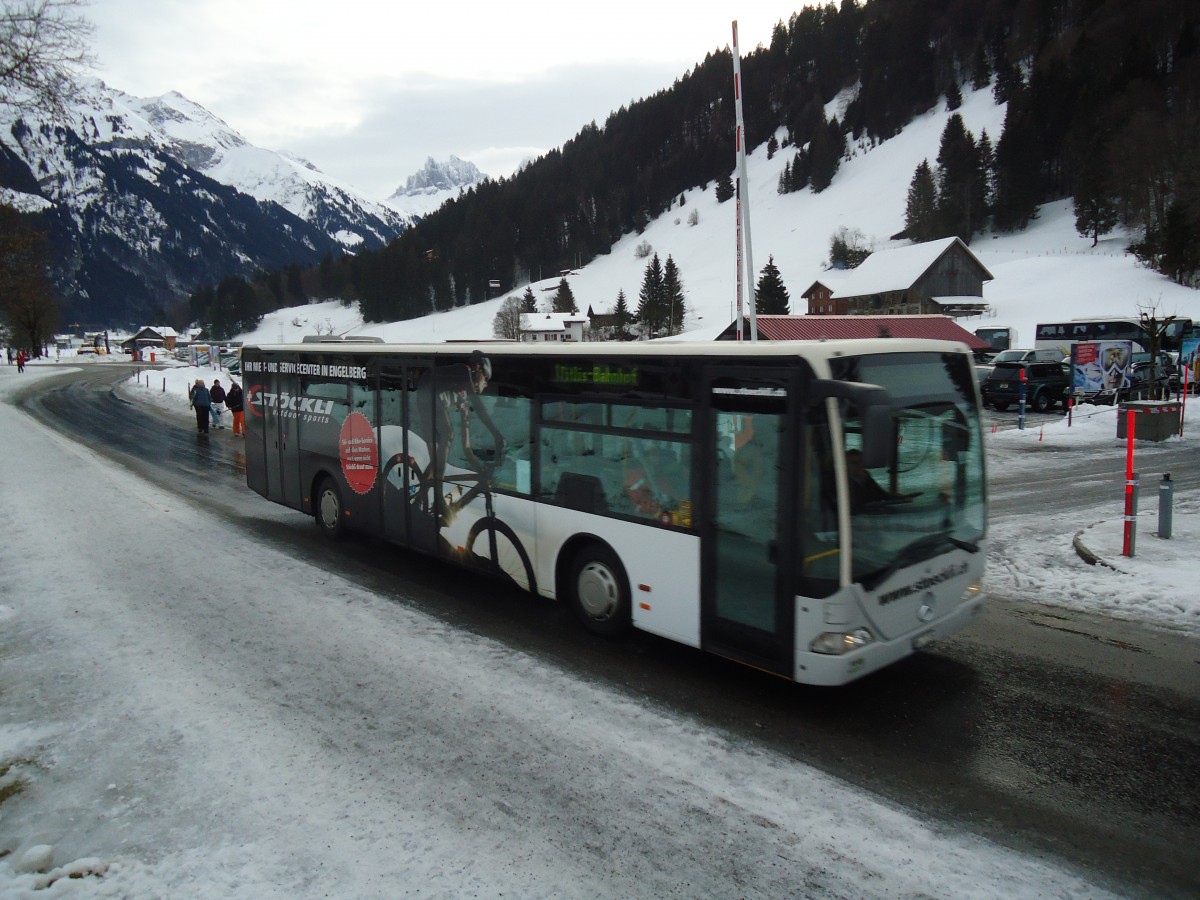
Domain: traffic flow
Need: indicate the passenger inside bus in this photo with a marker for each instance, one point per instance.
(649, 478)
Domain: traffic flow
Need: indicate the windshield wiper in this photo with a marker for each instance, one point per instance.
(921, 549)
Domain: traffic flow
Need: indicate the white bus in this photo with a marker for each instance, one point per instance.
(1061, 336)
(712, 494)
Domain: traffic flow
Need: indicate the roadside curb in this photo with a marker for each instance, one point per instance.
(1088, 555)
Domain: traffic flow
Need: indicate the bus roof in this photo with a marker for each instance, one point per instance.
(812, 350)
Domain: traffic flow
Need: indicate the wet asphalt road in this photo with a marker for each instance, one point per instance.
(1049, 731)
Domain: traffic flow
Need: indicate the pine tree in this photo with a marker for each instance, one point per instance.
(954, 97)
(1180, 242)
(962, 189)
(651, 305)
(981, 73)
(673, 297)
(564, 299)
(825, 155)
(1095, 207)
(920, 213)
(622, 317)
(1008, 81)
(785, 179)
(1018, 162)
(986, 159)
(771, 296)
(724, 188)
(772, 146)
(528, 301)
(800, 171)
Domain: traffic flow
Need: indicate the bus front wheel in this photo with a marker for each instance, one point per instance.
(600, 591)
(329, 509)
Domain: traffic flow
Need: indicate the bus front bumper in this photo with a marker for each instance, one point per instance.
(832, 670)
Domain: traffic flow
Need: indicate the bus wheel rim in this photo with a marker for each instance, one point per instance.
(329, 509)
(597, 589)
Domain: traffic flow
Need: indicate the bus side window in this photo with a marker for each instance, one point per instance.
(512, 416)
(647, 478)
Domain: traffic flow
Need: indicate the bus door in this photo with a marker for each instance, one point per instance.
(282, 445)
(404, 455)
(746, 611)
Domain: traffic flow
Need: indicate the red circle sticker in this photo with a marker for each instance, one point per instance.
(254, 399)
(359, 453)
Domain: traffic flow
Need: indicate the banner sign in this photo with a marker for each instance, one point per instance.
(1102, 367)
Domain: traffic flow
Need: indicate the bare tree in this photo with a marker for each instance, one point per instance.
(43, 46)
(507, 324)
(27, 302)
(1156, 328)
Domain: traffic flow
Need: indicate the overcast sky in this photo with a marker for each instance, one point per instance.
(366, 90)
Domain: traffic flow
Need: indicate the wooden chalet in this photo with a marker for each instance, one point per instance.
(149, 337)
(933, 278)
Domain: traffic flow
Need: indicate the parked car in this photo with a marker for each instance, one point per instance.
(1046, 383)
(1144, 384)
(1168, 365)
(1027, 356)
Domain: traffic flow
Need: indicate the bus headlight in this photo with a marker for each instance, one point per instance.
(836, 643)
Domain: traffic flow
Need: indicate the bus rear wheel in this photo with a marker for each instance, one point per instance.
(600, 591)
(328, 509)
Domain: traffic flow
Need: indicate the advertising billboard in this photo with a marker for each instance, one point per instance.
(1100, 368)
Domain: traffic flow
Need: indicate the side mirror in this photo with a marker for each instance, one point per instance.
(875, 405)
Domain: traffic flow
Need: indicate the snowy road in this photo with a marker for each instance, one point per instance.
(209, 715)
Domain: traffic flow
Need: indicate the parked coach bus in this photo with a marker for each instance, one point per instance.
(1061, 336)
(816, 510)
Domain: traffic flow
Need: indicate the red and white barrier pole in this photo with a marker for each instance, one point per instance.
(745, 244)
(1127, 548)
(1187, 370)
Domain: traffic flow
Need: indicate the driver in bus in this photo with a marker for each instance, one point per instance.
(863, 489)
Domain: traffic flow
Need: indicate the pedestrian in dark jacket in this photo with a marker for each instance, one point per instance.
(201, 402)
(216, 394)
(236, 404)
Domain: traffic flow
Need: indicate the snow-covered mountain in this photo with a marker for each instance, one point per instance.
(201, 140)
(436, 183)
(149, 198)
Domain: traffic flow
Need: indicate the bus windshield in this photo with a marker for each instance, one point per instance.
(928, 498)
